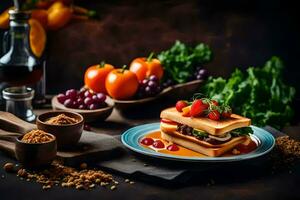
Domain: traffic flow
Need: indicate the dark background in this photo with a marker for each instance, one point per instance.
(241, 34)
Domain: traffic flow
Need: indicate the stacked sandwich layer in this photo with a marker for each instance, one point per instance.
(203, 135)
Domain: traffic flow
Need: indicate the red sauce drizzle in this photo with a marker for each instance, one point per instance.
(147, 141)
(173, 147)
(158, 144)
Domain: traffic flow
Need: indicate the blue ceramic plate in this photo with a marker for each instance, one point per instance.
(131, 138)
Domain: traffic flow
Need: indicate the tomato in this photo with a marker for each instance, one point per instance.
(121, 84)
(94, 77)
(145, 67)
(167, 121)
(139, 67)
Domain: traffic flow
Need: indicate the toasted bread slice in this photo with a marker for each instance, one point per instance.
(212, 127)
(203, 143)
(195, 146)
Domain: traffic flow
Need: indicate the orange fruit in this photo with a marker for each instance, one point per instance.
(4, 19)
(37, 37)
(58, 16)
(40, 15)
(94, 77)
(43, 4)
(121, 84)
(143, 68)
(56, 5)
(139, 67)
(155, 68)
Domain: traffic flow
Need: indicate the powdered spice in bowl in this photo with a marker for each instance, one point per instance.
(66, 126)
(36, 148)
(62, 119)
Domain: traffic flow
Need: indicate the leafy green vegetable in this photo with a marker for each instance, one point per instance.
(259, 94)
(241, 131)
(199, 133)
(180, 60)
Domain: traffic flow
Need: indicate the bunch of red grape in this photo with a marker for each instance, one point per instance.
(149, 87)
(83, 99)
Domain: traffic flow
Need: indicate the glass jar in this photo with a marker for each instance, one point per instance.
(18, 102)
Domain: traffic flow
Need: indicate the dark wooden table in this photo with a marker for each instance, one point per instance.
(236, 183)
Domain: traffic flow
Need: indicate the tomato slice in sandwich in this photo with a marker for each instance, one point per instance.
(167, 121)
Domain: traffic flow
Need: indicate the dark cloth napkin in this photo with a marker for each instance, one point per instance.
(138, 166)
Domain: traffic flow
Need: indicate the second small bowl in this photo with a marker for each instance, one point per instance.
(35, 155)
(66, 135)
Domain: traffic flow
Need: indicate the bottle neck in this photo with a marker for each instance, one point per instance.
(19, 33)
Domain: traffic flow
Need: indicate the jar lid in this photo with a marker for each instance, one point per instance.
(18, 94)
(15, 14)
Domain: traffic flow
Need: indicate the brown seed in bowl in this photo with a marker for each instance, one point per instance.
(37, 136)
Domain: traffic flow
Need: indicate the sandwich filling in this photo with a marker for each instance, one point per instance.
(212, 139)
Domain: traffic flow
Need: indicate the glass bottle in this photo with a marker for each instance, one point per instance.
(19, 67)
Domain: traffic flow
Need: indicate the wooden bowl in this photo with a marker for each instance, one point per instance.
(175, 92)
(66, 135)
(35, 155)
(88, 115)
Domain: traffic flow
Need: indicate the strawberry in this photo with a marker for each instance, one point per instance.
(214, 115)
(214, 102)
(198, 108)
(205, 102)
(226, 112)
(181, 104)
